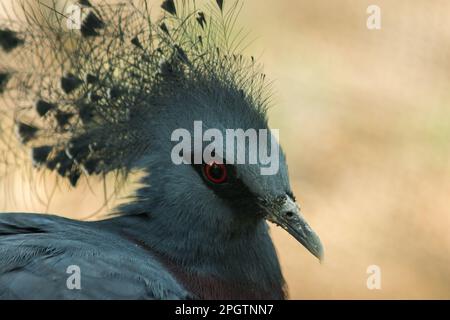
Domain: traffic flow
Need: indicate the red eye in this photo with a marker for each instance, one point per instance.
(215, 172)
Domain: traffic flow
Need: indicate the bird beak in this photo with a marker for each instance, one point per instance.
(291, 220)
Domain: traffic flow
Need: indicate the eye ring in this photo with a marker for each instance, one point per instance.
(215, 172)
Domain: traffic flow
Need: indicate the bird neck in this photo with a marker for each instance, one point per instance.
(210, 263)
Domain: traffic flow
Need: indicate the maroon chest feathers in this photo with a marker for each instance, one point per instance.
(209, 288)
(212, 288)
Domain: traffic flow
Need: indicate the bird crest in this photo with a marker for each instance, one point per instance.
(77, 101)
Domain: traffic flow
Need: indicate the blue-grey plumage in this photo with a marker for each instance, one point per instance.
(133, 257)
(37, 250)
(108, 100)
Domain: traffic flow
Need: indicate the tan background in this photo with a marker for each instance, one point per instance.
(365, 121)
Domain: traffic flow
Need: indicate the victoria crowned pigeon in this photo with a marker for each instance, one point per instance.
(106, 89)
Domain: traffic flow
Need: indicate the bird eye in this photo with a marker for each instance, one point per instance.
(215, 172)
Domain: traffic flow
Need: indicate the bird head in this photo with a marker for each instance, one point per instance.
(214, 153)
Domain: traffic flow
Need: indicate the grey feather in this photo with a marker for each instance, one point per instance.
(36, 251)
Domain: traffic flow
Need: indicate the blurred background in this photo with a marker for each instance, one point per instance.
(364, 117)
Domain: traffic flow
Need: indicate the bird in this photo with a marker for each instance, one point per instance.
(104, 98)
